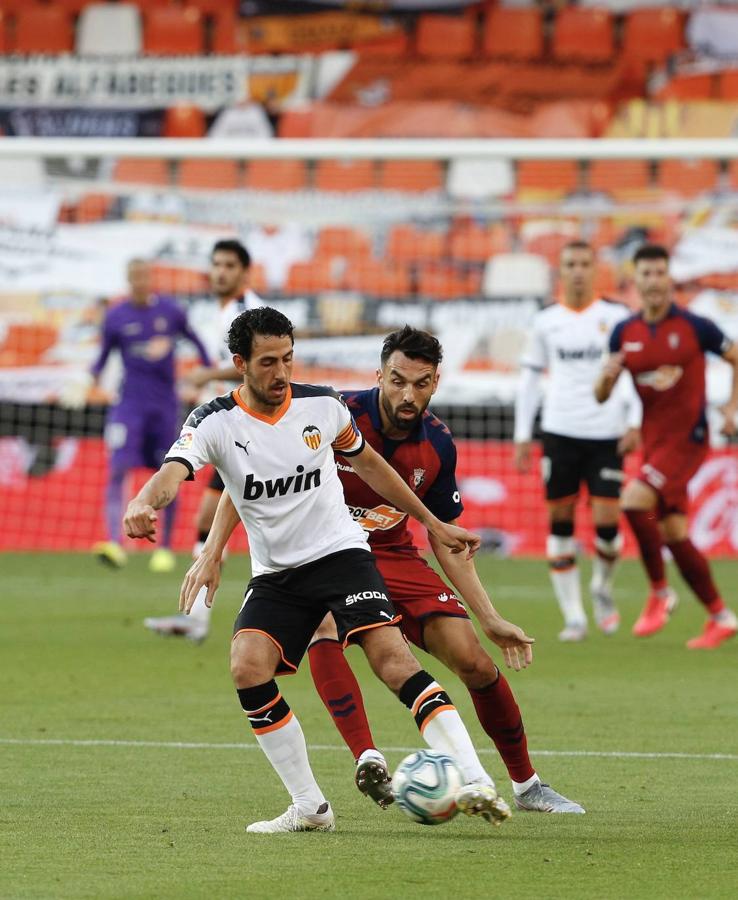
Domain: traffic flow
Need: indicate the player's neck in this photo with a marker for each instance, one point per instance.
(225, 300)
(577, 303)
(388, 430)
(657, 313)
(267, 410)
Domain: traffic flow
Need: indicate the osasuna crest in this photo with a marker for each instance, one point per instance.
(311, 435)
(673, 340)
(418, 477)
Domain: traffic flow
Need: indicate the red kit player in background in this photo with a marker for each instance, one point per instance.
(663, 348)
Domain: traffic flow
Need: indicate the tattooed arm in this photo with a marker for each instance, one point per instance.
(159, 491)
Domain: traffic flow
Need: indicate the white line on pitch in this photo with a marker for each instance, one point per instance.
(197, 745)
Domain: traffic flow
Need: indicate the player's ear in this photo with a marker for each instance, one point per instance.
(436, 376)
(240, 363)
(379, 377)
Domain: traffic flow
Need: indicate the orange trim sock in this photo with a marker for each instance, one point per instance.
(280, 737)
(440, 724)
(339, 690)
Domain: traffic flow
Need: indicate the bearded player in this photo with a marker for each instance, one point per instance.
(664, 348)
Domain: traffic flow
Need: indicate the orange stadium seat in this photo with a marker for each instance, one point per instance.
(728, 84)
(214, 7)
(43, 29)
(411, 175)
(344, 175)
(619, 177)
(310, 277)
(26, 343)
(93, 207)
(379, 278)
(406, 243)
(701, 86)
(213, 174)
(688, 177)
(549, 177)
(476, 243)
(447, 282)
(178, 280)
(444, 37)
(4, 35)
(652, 35)
(71, 6)
(184, 121)
(342, 241)
(142, 171)
(173, 31)
(513, 33)
(583, 34)
(276, 175)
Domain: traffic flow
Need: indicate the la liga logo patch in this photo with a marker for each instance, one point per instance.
(312, 436)
(184, 441)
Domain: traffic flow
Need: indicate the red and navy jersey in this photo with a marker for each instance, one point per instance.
(425, 460)
(667, 362)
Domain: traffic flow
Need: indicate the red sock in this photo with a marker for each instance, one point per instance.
(500, 717)
(696, 572)
(339, 690)
(645, 527)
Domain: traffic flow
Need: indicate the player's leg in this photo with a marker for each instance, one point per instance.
(123, 436)
(560, 468)
(640, 503)
(161, 430)
(604, 476)
(339, 690)
(722, 623)
(271, 634)
(453, 641)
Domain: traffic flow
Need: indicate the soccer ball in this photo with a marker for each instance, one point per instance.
(425, 785)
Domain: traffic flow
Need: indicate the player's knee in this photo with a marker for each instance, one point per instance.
(389, 657)
(245, 671)
(475, 669)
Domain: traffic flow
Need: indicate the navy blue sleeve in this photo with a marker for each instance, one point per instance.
(443, 498)
(616, 337)
(711, 338)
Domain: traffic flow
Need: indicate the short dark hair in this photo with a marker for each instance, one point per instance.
(650, 251)
(578, 245)
(414, 343)
(264, 321)
(230, 245)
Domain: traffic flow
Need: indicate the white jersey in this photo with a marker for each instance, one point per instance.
(280, 472)
(572, 345)
(228, 313)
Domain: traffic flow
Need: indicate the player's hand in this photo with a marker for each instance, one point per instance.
(613, 366)
(729, 414)
(458, 540)
(629, 442)
(199, 376)
(515, 644)
(522, 456)
(140, 521)
(204, 572)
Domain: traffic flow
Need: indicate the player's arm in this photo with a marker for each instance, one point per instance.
(527, 401)
(159, 491)
(462, 573)
(607, 379)
(108, 344)
(225, 372)
(730, 409)
(205, 570)
(383, 479)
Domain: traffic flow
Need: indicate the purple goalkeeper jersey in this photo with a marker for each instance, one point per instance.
(145, 337)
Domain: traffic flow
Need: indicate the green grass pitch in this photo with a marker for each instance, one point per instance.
(128, 770)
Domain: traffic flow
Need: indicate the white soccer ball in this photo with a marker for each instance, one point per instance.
(425, 785)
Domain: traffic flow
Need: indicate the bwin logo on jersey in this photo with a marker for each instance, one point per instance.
(311, 435)
(253, 489)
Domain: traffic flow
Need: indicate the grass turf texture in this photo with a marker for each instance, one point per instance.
(109, 821)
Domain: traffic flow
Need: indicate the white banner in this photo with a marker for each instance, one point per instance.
(210, 82)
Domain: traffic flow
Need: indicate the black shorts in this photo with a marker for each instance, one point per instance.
(216, 482)
(567, 462)
(288, 606)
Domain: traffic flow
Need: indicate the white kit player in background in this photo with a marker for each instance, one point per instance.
(583, 441)
(230, 263)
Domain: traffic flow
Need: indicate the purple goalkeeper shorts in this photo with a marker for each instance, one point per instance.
(139, 436)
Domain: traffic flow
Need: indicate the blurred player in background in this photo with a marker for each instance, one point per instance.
(663, 348)
(582, 441)
(140, 427)
(229, 275)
